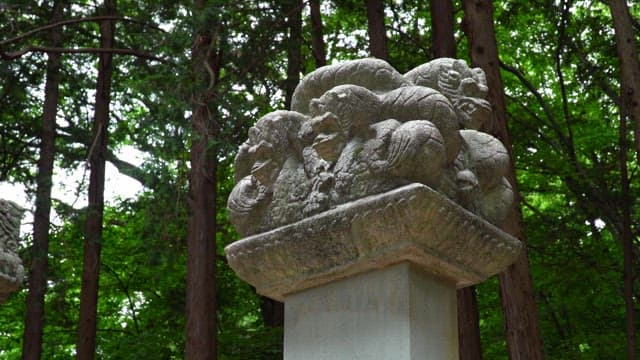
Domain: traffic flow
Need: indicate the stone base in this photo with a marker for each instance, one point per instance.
(398, 312)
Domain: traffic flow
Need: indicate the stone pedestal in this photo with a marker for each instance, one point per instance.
(374, 278)
(399, 312)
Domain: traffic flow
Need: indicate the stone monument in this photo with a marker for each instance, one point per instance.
(11, 270)
(366, 205)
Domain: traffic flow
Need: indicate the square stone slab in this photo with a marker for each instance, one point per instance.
(397, 313)
(413, 223)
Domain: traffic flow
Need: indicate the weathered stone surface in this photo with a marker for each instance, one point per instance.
(11, 269)
(361, 128)
(465, 87)
(412, 223)
(365, 207)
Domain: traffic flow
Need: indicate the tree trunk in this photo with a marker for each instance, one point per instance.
(627, 239)
(377, 30)
(629, 65)
(317, 34)
(93, 226)
(201, 241)
(34, 321)
(272, 312)
(444, 45)
(443, 40)
(629, 108)
(469, 344)
(516, 290)
(293, 13)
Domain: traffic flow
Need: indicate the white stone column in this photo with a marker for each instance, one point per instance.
(399, 312)
(375, 278)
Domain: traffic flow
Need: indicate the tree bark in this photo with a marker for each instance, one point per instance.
(469, 344)
(629, 108)
(377, 30)
(516, 290)
(293, 12)
(93, 227)
(200, 325)
(34, 321)
(444, 45)
(317, 34)
(627, 239)
(443, 40)
(629, 65)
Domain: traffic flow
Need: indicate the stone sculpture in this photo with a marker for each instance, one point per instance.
(360, 128)
(11, 270)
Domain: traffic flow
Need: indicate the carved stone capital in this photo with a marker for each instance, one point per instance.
(411, 223)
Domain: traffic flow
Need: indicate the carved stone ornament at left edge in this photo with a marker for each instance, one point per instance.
(11, 269)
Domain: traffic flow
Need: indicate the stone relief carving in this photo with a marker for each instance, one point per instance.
(11, 269)
(361, 128)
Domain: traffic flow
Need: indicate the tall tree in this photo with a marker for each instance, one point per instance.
(627, 238)
(629, 65)
(201, 239)
(442, 37)
(317, 34)
(629, 109)
(86, 341)
(444, 45)
(293, 14)
(516, 290)
(34, 320)
(377, 29)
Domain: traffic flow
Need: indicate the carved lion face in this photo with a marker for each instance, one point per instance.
(330, 138)
(270, 142)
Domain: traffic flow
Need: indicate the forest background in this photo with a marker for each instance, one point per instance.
(181, 82)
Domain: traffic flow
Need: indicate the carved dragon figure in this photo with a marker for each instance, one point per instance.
(360, 128)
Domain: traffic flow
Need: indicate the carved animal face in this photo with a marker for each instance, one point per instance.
(353, 106)
(339, 114)
(467, 89)
(330, 138)
(456, 79)
(269, 144)
(265, 166)
(472, 112)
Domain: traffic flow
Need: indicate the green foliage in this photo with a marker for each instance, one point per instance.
(20, 106)
(560, 78)
(567, 154)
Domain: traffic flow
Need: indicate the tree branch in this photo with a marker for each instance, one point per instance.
(74, 21)
(599, 79)
(73, 134)
(130, 170)
(125, 289)
(16, 54)
(536, 94)
(562, 39)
